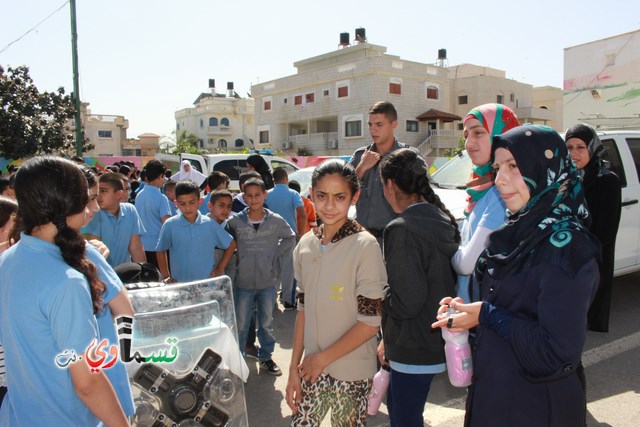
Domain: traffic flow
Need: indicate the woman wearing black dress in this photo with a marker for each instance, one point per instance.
(602, 190)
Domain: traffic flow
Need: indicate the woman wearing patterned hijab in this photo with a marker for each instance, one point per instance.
(603, 192)
(537, 278)
(485, 209)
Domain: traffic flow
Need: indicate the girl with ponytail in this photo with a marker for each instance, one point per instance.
(418, 246)
(49, 294)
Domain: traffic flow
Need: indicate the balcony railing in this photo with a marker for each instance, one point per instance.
(438, 140)
(219, 130)
(312, 138)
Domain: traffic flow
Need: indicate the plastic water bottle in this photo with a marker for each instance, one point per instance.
(458, 354)
(378, 390)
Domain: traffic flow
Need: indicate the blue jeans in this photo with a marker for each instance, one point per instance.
(406, 398)
(264, 300)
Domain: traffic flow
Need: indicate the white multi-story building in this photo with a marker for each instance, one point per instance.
(602, 82)
(322, 109)
(220, 121)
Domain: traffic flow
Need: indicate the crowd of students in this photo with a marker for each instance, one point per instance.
(368, 291)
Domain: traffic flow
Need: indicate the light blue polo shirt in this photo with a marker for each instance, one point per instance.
(284, 201)
(116, 231)
(152, 205)
(117, 373)
(45, 309)
(191, 246)
(489, 212)
(204, 207)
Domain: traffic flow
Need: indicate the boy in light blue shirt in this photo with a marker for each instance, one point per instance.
(153, 208)
(170, 191)
(216, 181)
(287, 202)
(191, 239)
(117, 224)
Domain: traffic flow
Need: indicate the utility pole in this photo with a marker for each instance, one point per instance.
(76, 84)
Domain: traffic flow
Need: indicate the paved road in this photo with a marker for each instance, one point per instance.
(612, 366)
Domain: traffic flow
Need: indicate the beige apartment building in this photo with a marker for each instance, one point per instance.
(473, 85)
(107, 132)
(602, 82)
(322, 109)
(145, 145)
(549, 98)
(221, 122)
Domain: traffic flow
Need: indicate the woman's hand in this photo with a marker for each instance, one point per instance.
(445, 303)
(311, 367)
(294, 390)
(383, 360)
(466, 319)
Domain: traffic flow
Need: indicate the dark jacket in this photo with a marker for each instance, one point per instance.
(526, 352)
(418, 246)
(604, 196)
(373, 210)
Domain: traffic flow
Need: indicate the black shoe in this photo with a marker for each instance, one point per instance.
(288, 306)
(271, 367)
(251, 352)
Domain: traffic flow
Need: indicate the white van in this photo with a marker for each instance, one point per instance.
(230, 164)
(623, 152)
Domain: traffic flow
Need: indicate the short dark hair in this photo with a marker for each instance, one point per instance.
(125, 170)
(154, 169)
(244, 176)
(187, 186)
(255, 181)
(170, 184)
(280, 174)
(114, 180)
(216, 178)
(219, 194)
(295, 185)
(386, 108)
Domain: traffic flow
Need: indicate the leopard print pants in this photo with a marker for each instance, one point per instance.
(346, 399)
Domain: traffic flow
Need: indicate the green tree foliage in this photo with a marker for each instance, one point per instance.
(454, 151)
(33, 123)
(186, 143)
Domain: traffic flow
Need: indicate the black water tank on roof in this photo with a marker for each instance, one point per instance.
(361, 34)
(442, 54)
(344, 39)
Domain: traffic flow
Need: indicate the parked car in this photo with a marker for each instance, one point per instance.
(231, 164)
(623, 148)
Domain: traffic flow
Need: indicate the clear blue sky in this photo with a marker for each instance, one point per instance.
(146, 59)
